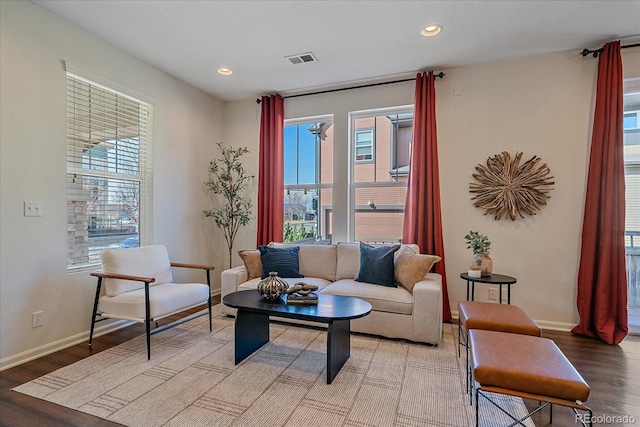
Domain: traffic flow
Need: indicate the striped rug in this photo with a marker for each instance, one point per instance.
(191, 380)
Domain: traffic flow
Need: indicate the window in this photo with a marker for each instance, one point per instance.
(308, 178)
(108, 170)
(632, 197)
(364, 145)
(379, 185)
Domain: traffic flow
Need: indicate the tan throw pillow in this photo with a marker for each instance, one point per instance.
(252, 262)
(411, 267)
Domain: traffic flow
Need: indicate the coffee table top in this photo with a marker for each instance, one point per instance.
(328, 308)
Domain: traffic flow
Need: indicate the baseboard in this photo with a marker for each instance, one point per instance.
(544, 324)
(35, 353)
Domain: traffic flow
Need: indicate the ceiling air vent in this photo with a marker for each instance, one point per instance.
(302, 58)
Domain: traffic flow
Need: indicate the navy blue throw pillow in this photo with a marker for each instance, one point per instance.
(376, 265)
(284, 261)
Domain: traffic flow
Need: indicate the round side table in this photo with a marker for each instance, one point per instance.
(493, 279)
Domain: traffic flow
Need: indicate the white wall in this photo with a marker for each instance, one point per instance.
(540, 106)
(33, 258)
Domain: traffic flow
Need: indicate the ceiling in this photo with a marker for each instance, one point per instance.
(354, 41)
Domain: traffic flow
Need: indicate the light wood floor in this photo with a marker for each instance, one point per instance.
(612, 372)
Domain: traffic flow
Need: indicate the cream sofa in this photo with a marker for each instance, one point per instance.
(398, 312)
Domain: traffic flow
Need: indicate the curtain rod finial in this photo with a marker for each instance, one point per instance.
(258, 101)
(595, 53)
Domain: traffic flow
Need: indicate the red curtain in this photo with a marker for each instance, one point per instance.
(422, 218)
(602, 281)
(271, 171)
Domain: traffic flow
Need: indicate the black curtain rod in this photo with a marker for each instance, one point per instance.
(440, 74)
(596, 52)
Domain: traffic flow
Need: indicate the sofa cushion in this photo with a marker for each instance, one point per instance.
(382, 298)
(252, 262)
(415, 248)
(316, 260)
(348, 263)
(164, 299)
(146, 261)
(411, 267)
(376, 264)
(348, 260)
(284, 261)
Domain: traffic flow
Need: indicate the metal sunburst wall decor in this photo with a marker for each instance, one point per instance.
(505, 188)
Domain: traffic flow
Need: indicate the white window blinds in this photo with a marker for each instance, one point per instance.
(108, 170)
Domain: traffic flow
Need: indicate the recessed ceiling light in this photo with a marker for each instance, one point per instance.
(225, 71)
(431, 30)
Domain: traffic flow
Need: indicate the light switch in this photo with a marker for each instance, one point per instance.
(32, 208)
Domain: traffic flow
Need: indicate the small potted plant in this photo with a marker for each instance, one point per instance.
(480, 244)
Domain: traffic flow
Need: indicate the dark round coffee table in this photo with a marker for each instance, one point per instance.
(252, 323)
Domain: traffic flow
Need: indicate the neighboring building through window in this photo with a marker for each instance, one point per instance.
(379, 186)
(380, 154)
(108, 170)
(308, 178)
(364, 145)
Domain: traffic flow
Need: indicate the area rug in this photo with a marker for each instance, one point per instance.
(191, 380)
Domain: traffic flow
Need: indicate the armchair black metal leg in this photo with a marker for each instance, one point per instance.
(147, 319)
(93, 323)
(95, 310)
(209, 300)
(148, 324)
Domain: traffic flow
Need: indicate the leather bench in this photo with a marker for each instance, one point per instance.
(525, 366)
(496, 317)
(492, 317)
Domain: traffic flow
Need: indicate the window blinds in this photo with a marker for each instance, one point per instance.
(108, 170)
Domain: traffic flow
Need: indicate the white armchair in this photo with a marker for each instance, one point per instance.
(138, 286)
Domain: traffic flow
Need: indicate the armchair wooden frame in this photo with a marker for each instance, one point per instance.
(98, 317)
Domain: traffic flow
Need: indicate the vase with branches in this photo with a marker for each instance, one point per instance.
(229, 180)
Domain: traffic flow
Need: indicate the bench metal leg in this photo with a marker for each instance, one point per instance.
(463, 340)
(477, 409)
(516, 421)
(541, 405)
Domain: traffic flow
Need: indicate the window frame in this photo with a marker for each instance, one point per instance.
(321, 225)
(132, 174)
(371, 145)
(353, 186)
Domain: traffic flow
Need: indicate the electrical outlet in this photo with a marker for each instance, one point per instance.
(32, 208)
(37, 319)
(493, 294)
